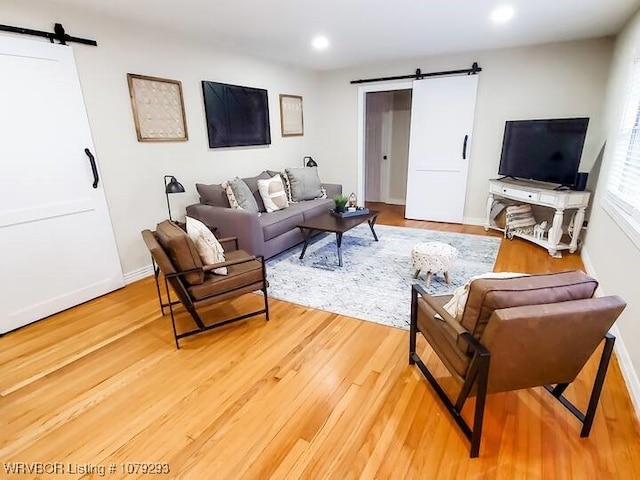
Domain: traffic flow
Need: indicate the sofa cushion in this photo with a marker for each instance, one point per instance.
(277, 223)
(241, 195)
(313, 208)
(487, 295)
(214, 195)
(206, 243)
(273, 193)
(252, 183)
(303, 183)
(181, 250)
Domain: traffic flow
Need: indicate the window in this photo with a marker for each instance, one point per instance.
(623, 188)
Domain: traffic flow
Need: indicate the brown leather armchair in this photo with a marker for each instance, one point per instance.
(516, 333)
(174, 254)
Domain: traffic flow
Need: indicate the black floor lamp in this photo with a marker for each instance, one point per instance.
(174, 186)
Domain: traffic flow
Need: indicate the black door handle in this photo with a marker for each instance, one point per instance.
(464, 147)
(94, 169)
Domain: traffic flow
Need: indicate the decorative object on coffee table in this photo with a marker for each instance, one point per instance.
(174, 186)
(158, 109)
(433, 257)
(340, 202)
(353, 200)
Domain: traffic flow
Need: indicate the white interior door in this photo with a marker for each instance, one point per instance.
(442, 112)
(56, 238)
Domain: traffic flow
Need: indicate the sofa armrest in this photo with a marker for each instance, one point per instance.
(232, 222)
(332, 189)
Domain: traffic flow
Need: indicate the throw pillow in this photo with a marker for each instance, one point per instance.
(455, 306)
(240, 196)
(207, 245)
(303, 183)
(520, 219)
(273, 194)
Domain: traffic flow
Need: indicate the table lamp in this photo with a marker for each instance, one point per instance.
(174, 186)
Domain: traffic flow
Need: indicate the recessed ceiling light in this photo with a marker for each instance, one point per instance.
(502, 14)
(320, 42)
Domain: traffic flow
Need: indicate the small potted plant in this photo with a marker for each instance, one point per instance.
(341, 202)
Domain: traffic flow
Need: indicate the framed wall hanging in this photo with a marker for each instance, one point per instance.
(291, 122)
(158, 109)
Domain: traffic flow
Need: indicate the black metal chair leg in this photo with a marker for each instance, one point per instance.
(478, 417)
(597, 384)
(173, 320)
(413, 327)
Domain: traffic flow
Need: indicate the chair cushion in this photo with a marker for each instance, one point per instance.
(181, 250)
(489, 294)
(238, 276)
(206, 243)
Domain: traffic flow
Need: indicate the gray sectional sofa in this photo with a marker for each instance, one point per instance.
(266, 234)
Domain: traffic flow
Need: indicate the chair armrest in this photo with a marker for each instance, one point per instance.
(213, 266)
(450, 321)
(444, 315)
(228, 240)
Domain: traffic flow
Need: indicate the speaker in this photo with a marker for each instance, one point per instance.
(581, 181)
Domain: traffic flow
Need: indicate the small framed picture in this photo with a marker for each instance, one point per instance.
(158, 109)
(291, 122)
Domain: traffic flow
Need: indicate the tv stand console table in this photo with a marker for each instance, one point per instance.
(537, 193)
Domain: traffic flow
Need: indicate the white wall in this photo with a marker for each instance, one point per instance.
(132, 171)
(613, 257)
(555, 80)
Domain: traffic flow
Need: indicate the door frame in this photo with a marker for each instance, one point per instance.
(362, 94)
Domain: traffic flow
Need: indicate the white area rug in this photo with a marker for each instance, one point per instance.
(375, 281)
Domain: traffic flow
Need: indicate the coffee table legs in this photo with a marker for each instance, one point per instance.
(308, 232)
(372, 222)
(339, 243)
(307, 235)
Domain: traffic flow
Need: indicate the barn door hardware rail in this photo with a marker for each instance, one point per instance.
(58, 34)
(419, 75)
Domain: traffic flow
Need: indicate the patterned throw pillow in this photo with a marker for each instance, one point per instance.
(303, 183)
(273, 193)
(240, 195)
(520, 219)
(207, 244)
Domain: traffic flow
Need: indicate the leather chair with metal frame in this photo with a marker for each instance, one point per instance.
(174, 254)
(516, 333)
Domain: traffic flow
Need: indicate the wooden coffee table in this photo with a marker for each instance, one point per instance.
(328, 222)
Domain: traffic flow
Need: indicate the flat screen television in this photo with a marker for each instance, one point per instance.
(236, 116)
(544, 150)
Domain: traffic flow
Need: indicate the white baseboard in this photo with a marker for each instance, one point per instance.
(629, 373)
(396, 201)
(138, 274)
(474, 221)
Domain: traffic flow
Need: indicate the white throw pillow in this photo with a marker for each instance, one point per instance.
(207, 244)
(273, 193)
(455, 306)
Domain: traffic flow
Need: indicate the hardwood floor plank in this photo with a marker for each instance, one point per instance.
(309, 394)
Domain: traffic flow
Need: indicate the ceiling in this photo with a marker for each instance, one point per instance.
(369, 31)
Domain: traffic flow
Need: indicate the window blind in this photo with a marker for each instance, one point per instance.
(623, 189)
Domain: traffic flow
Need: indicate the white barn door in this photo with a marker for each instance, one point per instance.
(56, 238)
(442, 113)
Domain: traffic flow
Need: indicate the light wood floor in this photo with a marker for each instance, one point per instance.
(309, 394)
